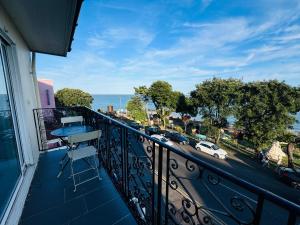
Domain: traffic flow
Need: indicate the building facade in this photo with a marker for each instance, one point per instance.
(26, 28)
(46, 93)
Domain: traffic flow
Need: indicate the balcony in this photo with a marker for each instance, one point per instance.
(146, 180)
(52, 201)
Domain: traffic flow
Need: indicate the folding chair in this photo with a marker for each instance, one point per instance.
(71, 119)
(68, 121)
(78, 152)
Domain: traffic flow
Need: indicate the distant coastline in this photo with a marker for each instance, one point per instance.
(119, 101)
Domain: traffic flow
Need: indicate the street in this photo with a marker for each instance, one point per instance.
(215, 196)
(249, 170)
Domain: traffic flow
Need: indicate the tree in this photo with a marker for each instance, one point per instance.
(136, 109)
(163, 98)
(73, 97)
(215, 100)
(266, 110)
(185, 108)
(290, 152)
(142, 93)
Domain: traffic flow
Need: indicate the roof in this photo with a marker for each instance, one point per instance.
(47, 26)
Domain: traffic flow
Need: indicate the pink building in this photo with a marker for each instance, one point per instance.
(46, 93)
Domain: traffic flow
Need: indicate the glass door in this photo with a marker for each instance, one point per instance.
(10, 169)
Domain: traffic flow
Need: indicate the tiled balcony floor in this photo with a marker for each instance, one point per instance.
(52, 201)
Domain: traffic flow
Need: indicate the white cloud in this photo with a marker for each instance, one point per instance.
(118, 6)
(205, 4)
(288, 38)
(97, 41)
(113, 36)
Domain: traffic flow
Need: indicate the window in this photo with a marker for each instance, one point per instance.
(205, 145)
(48, 97)
(9, 155)
(215, 147)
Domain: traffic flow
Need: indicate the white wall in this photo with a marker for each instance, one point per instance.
(23, 86)
(25, 99)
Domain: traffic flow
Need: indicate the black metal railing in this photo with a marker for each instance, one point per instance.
(164, 185)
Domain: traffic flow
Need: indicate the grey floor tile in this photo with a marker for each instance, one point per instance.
(126, 220)
(101, 196)
(107, 213)
(52, 201)
(58, 215)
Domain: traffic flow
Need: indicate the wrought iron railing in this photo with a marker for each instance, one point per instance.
(164, 185)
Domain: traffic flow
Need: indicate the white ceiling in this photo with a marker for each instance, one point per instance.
(47, 26)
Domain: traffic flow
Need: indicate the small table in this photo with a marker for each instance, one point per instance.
(65, 132)
(70, 130)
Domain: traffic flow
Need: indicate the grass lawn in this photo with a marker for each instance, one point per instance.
(228, 145)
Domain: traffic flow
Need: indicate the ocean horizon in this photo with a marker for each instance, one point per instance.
(119, 101)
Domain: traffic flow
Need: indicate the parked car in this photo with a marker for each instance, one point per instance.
(162, 139)
(211, 149)
(290, 176)
(175, 136)
(201, 137)
(152, 130)
(135, 125)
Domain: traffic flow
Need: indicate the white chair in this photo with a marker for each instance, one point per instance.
(71, 119)
(85, 152)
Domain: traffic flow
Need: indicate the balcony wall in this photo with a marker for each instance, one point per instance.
(23, 87)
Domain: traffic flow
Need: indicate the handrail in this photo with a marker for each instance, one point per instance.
(251, 187)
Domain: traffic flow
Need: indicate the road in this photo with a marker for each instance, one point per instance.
(249, 170)
(217, 194)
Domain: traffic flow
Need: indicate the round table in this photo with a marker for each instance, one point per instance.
(70, 130)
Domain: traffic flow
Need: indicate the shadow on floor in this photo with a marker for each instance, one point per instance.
(52, 201)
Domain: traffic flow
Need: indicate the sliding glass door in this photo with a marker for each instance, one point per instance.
(10, 169)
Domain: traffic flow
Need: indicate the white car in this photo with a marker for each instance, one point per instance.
(162, 139)
(211, 149)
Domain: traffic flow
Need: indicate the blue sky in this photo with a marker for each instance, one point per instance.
(122, 44)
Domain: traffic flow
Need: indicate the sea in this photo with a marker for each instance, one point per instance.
(119, 104)
(117, 101)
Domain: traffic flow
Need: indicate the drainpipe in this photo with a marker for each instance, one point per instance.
(41, 135)
(35, 82)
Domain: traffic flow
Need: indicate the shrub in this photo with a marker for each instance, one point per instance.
(178, 129)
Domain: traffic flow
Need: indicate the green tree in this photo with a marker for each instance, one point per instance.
(143, 93)
(215, 100)
(185, 108)
(266, 110)
(136, 109)
(163, 98)
(73, 97)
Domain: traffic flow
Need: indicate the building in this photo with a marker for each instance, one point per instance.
(145, 181)
(46, 93)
